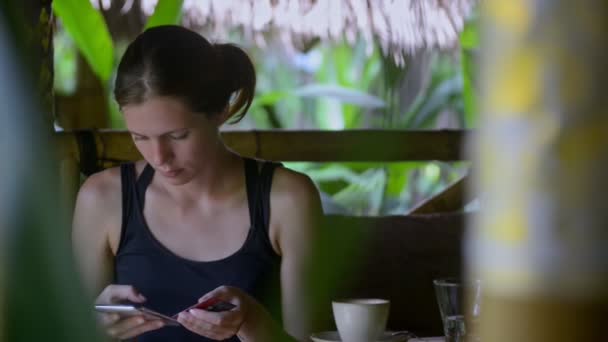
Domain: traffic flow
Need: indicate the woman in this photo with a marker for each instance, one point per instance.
(194, 220)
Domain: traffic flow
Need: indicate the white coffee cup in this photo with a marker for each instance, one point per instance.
(360, 320)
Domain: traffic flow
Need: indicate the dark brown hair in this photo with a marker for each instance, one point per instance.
(174, 61)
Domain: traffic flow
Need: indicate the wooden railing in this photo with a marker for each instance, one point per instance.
(89, 151)
(319, 146)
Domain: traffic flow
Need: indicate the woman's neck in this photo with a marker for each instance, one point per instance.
(218, 178)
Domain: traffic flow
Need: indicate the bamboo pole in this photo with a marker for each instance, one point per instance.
(40, 15)
(69, 174)
(41, 274)
(319, 146)
(539, 243)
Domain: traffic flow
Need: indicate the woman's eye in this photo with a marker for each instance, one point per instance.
(180, 136)
(138, 138)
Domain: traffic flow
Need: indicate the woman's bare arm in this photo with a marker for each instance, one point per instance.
(296, 211)
(96, 223)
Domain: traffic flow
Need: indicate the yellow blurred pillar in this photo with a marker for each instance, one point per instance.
(540, 243)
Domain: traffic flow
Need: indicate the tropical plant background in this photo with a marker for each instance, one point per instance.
(336, 86)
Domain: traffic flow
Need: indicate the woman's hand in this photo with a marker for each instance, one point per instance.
(218, 325)
(124, 327)
(249, 319)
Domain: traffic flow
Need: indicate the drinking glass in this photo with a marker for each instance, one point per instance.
(459, 305)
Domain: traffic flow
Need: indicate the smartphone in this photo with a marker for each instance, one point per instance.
(211, 304)
(136, 309)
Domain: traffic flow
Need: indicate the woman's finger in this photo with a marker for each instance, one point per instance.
(225, 324)
(228, 319)
(119, 293)
(204, 328)
(142, 328)
(194, 324)
(107, 319)
(189, 320)
(123, 325)
(222, 292)
(128, 292)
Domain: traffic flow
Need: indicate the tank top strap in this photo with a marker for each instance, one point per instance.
(145, 178)
(259, 183)
(127, 177)
(265, 184)
(251, 181)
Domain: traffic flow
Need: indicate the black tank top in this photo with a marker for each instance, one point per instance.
(171, 283)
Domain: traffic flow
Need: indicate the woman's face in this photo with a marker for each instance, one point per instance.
(172, 139)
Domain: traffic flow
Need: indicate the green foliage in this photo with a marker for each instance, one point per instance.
(469, 37)
(342, 94)
(343, 86)
(443, 92)
(349, 68)
(167, 12)
(82, 22)
(469, 42)
(88, 29)
(350, 90)
(65, 63)
(365, 196)
(378, 188)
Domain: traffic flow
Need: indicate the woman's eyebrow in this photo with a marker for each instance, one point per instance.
(179, 130)
(135, 133)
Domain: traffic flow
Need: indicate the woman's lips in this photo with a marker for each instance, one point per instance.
(172, 173)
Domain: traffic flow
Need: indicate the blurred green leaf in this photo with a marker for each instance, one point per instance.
(435, 102)
(352, 116)
(270, 98)
(344, 95)
(397, 178)
(469, 44)
(371, 70)
(469, 37)
(64, 60)
(167, 12)
(333, 172)
(88, 29)
(365, 196)
(468, 91)
(343, 63)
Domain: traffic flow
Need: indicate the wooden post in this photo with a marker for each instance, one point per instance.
(42, 272)
(69, 173)
(40, 15)
(539, 244)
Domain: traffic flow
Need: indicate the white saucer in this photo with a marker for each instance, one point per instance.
(333, 336)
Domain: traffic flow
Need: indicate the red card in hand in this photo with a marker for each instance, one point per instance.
(211, 304)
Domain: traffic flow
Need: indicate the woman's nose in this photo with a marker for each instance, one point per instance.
(161, 153)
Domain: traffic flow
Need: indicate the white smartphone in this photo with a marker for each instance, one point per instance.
(135, 309)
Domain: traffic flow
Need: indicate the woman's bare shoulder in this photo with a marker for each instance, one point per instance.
(101, 193)
(101, 186)
(294, 184)
(295, 212)
(293, 191)
(105, 185)
(97, 214)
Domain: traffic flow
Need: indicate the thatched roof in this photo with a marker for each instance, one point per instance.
(399, 26)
